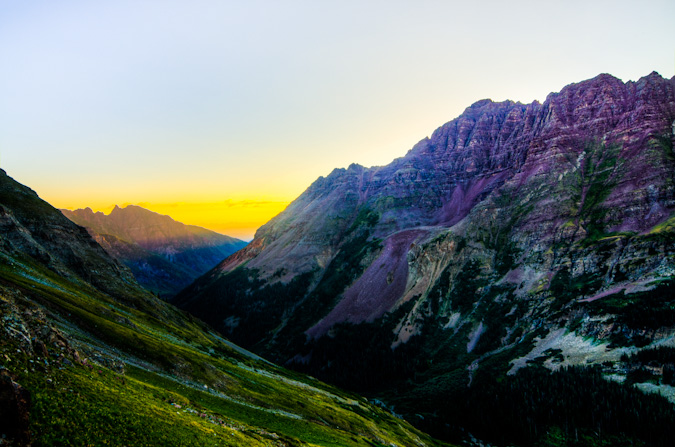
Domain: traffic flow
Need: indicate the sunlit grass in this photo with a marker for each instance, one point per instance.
(181, 385)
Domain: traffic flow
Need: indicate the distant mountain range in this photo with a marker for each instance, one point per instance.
(164, 255)
(519, 239)
(89, 357)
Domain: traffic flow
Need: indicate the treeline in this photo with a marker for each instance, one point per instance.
(656, 365)
(536, 407)
(648, 310)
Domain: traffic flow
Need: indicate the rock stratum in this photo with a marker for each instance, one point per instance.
(536, 235)
(164, 255)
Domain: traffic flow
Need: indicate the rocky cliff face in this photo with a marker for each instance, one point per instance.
(515, 232)
(164, 255)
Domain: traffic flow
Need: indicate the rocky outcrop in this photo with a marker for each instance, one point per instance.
(515, 235)
(164, 255)
(524, 187)
(515, 240)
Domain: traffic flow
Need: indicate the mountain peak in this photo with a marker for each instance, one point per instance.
(654, 74)
(163, 254)
(472, 170)
(481, 103)
(512, 234)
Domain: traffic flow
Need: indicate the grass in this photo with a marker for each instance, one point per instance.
(170, 359)
(663, 227)
(98, 407)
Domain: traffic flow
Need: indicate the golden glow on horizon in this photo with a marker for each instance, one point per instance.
(236, 218)
(193, 104)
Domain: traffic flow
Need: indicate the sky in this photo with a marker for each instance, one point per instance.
(219, 113)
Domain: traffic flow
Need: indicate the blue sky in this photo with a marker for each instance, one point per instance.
(206, 102)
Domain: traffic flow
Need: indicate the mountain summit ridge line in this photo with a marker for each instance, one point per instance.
(509, 224)
(165, 255)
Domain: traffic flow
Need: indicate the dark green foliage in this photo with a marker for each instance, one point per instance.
(565, 288)
(360, 356)
(598, 174)
(498, 310)
(439, 291)
(497, 236)
(654, 356)
(579, 403)
(640, 375)
(649, 310)
(668, 377)
(365, 219)
(648, 361)
(507, 250)
(666, 144)
(251, 304)
(342, 271)
(465, 287)
(506, 256)
(637, 314)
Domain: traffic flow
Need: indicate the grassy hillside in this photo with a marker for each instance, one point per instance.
(89, 358)
(102, 372)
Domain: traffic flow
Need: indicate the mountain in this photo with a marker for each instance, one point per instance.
(164, 255)
(508, 278)
(89, 357)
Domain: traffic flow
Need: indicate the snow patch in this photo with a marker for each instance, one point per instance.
(619, 378)
(474, 336)
(666, 391)
(576, 350)
(452, 321)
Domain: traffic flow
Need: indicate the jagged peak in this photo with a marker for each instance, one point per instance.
(652, 78)
(653, 75)
(486, 106)
(481, 103)
(352, 168)
(605, 77)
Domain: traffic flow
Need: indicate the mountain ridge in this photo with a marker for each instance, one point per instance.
(88, 357)
(463, 166)
(508, 224)
(165, 255)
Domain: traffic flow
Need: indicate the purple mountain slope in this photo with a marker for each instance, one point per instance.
(500, 236)
(546, 155)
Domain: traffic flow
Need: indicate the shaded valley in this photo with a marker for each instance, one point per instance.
(89, 357)
(164, 255)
